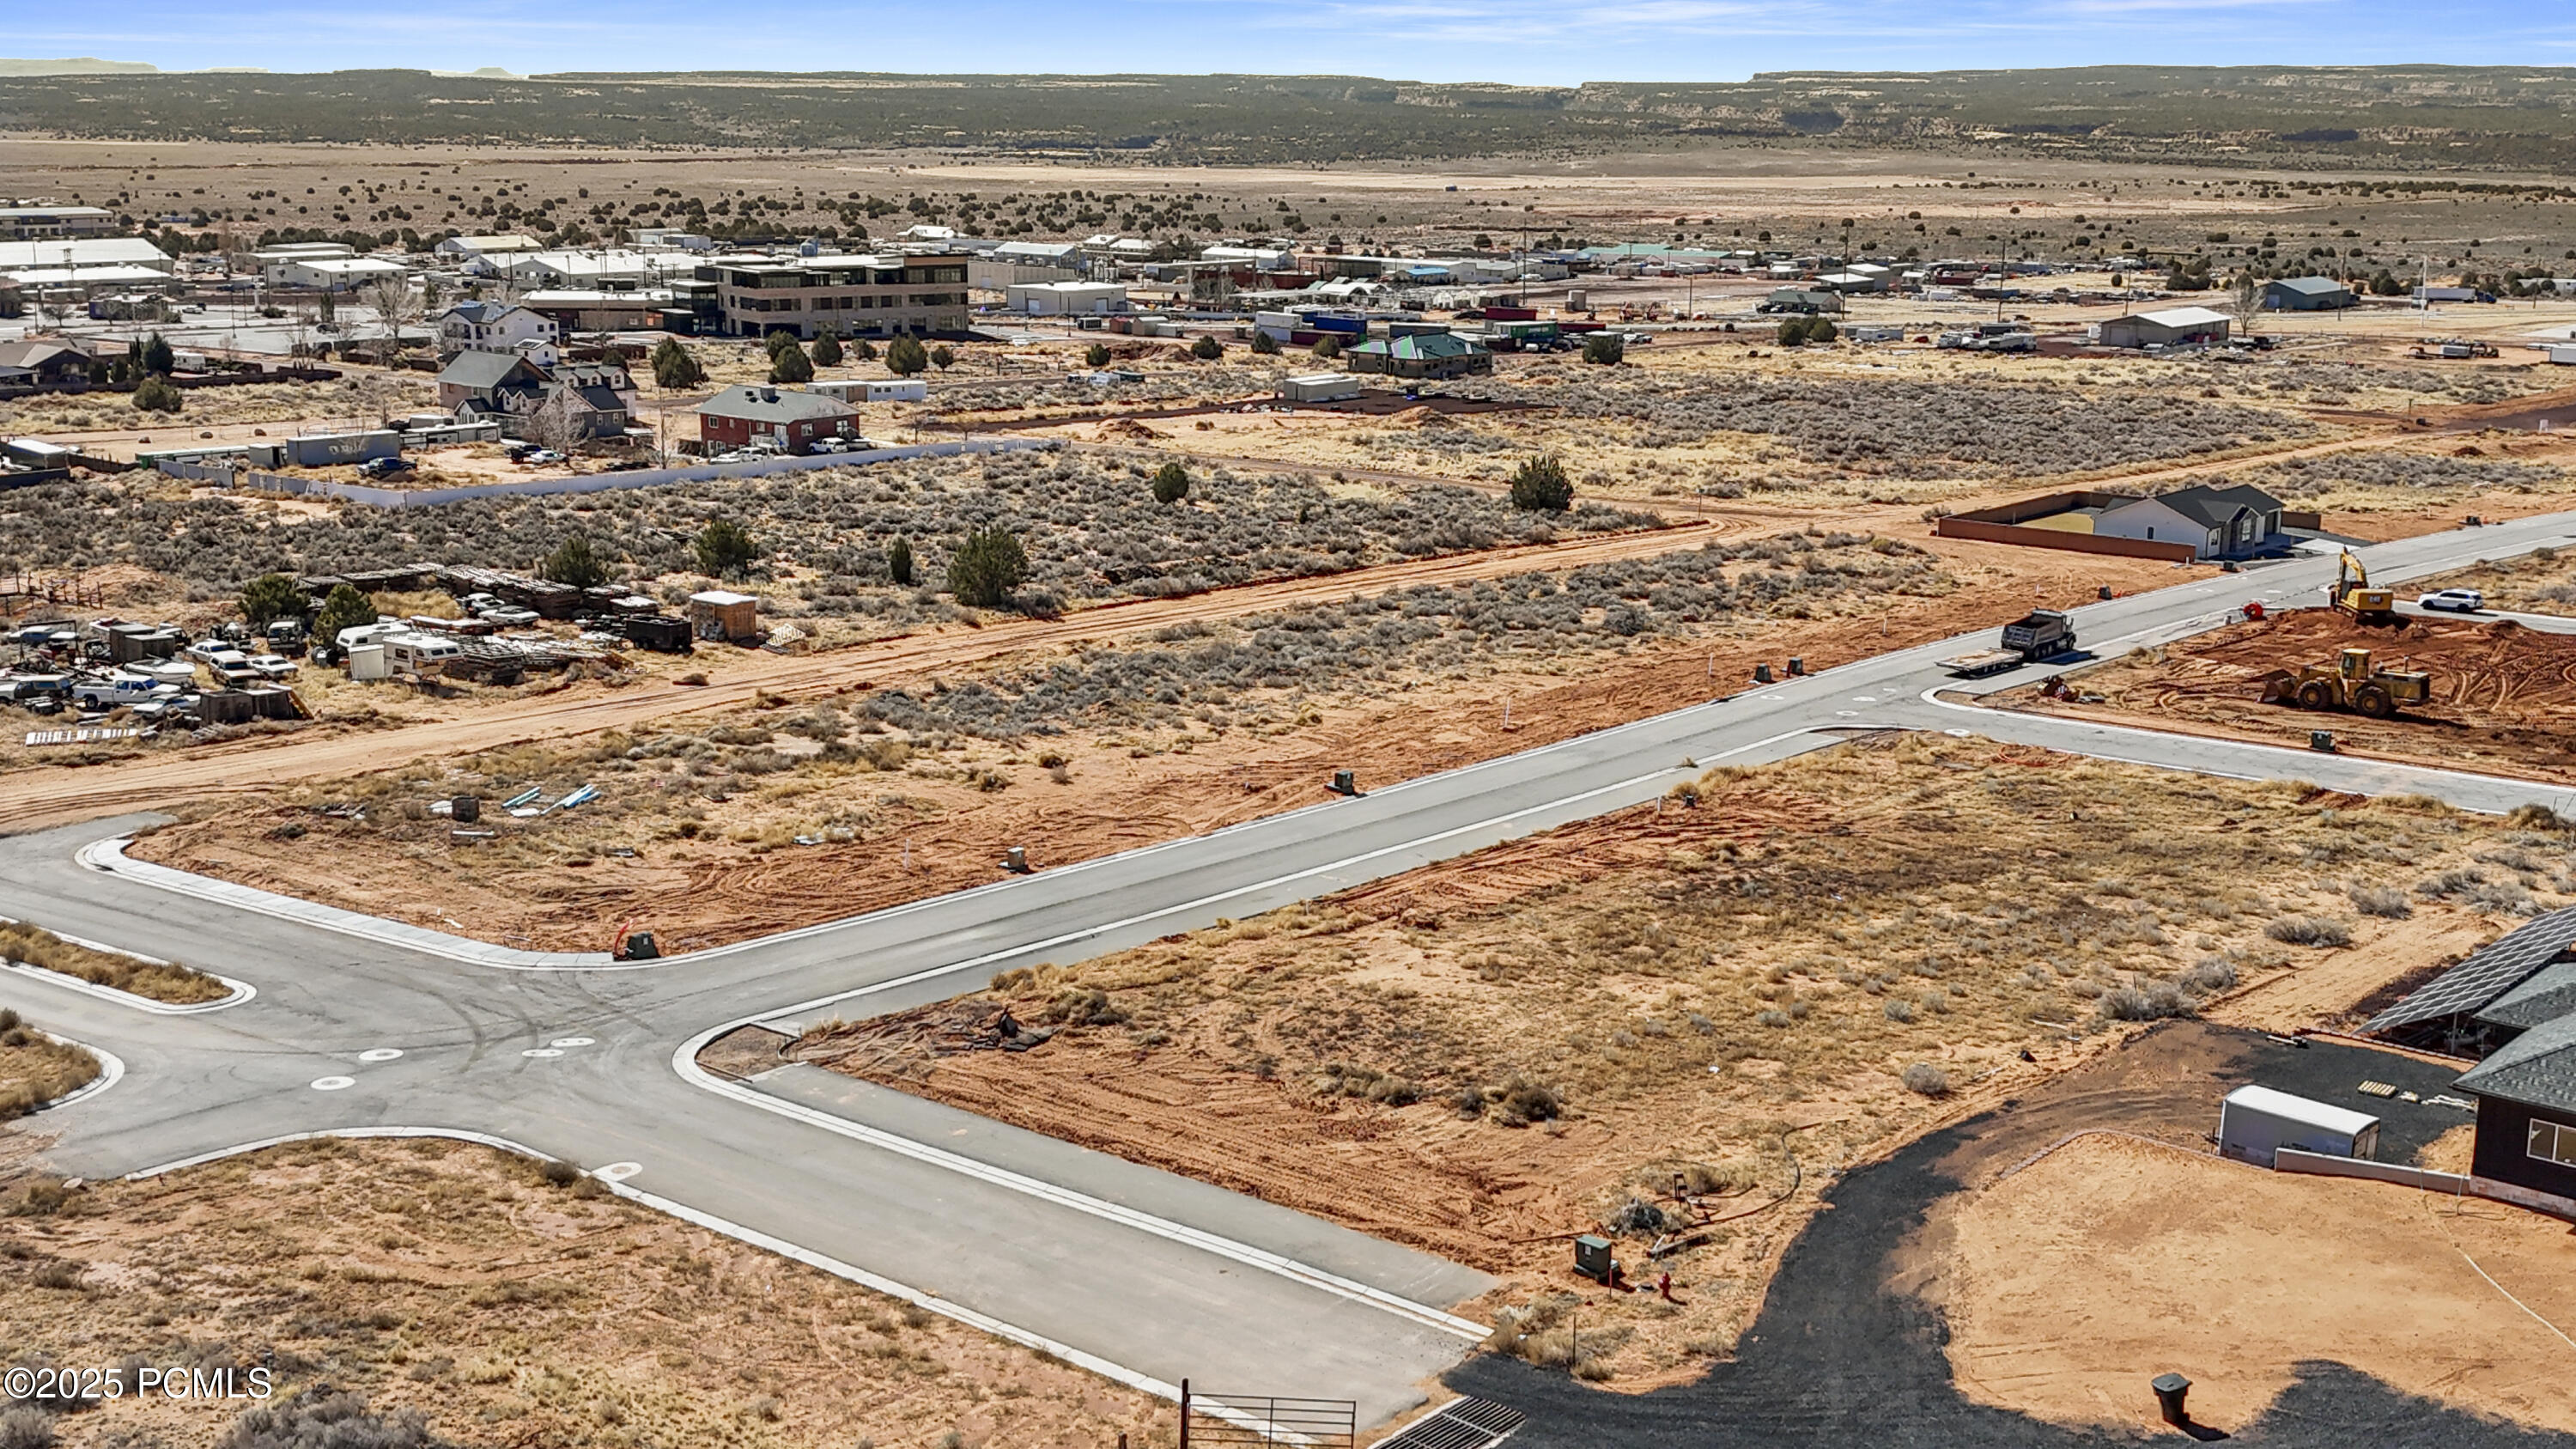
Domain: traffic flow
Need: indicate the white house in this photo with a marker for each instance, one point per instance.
(2215, 522)
(489, 251)
(494, 327)
(1068, 299)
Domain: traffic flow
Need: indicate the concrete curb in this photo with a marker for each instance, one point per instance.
(111, 1070)
(108, 857)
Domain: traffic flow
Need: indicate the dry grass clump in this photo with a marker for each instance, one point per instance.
(36, 1069)
(410, 1293)
(2360, 468)
(160, 980)
(1914, 429)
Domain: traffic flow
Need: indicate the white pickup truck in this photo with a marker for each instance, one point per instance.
(110, 691)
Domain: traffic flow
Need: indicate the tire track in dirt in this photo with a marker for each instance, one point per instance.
(58, 795)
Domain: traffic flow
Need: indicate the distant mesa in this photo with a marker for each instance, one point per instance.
(76, 65)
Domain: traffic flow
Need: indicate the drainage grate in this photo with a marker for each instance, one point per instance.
(1460, 1424)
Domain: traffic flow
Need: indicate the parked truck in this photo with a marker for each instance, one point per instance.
(2040, 634)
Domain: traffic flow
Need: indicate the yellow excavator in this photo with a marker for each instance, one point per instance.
(2352, 683)
(2354, 595)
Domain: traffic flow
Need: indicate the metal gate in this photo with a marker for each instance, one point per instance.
(1233, 1419)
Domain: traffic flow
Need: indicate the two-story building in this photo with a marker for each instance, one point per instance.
(847, 293)
(494, 327)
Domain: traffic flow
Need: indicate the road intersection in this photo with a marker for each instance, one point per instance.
(358, 1026)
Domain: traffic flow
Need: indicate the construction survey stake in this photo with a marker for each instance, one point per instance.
(50, 1384)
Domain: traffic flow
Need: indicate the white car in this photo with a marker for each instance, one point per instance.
(507, 616)
(207, 651)
(272, 666)
(542, 457)
(2462, 601)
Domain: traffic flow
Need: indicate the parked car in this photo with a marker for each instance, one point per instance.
(204, 651)
(830, 445)
(2462, 601)
(272, 666)
(508, 616)
(540, 457)
(384, 467)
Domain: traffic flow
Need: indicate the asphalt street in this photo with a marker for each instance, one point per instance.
(359, 1026)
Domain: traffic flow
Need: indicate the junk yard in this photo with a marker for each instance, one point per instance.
(936, 762)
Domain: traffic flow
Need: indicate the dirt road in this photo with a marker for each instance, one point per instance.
(54, 796)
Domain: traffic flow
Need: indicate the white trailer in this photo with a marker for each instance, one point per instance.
(2254, 1123)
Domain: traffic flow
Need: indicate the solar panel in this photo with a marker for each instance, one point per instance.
(2487, 973)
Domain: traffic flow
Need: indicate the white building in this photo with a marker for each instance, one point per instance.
(107, 251)
(30, 222)
(873, 389)
(494, 327)
(489, 249)
(671, 238)
(1259, 259)
(1068, 299)
(334, 274)
(609, 269)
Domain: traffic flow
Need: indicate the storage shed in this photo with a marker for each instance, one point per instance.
(2166, 327)
(1315, 387)
(2255, 1123)
(724, 616)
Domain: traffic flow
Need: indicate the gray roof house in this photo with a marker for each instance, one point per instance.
(2216, 522)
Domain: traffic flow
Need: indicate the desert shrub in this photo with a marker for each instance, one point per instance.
(271, 596)
(326, 1418)
(559, 1173)
(1084, 1006)
(987, 568)
(1606, 349)
(1207, 349)
(899, 561)
(1822, 329)
(789, 364)
(169, 982)
(2392, 468)
(1327, 347)
(778, 342)
(1540, 485)
(827, 349)
(1925, 1080)
(2535, 817)
(2153, 1002)
(343, 608)
(2308, 931)
(905, 357)
(1897, 1009)
(158, 394)
(1791, 333)
(1264, 345)
(726, 549)
(1171, 482)
(1096, 355)
(1521, 1101)
(1637, 1218)
(2380, 901)
(26, 1428)
(575, 562)
(674, 367)
(2207, 976)
(942, 357)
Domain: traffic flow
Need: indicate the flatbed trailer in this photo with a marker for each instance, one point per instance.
(1984, 662)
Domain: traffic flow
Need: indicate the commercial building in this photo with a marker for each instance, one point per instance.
(29, 223)
(2306, 294)
(333, 274)
(1068, 299)
(2215, 522)
(612, 270)
(486, 253)
(2168, 327)
(783, 417)
(853, 294)
(873, 389)
(68, 253)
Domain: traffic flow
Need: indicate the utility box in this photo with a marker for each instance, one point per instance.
(2255, 1123)
(1592, 1257)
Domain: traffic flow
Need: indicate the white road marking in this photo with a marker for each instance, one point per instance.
(572, 1041)
(380, 1054)
(542, 1052)
(618, 1171)
(334, 1084)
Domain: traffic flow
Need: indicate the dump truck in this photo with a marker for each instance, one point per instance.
(2352, 682)
(2040, 634)
(2354, 595)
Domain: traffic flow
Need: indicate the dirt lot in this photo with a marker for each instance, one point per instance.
(451, 1281)
(2540, 582)
(1484, 1056)
(2069, 1283)
(2503, 697)
(790, 813)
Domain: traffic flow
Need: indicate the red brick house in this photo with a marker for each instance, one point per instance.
(791, 419)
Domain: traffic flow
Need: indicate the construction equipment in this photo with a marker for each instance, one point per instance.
(2354, 595)
(2352, 682)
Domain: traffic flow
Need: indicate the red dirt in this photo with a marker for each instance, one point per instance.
(2503, 697)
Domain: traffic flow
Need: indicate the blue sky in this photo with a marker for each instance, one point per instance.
(1527, 41)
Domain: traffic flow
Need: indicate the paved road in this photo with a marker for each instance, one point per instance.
(1133, 1272)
